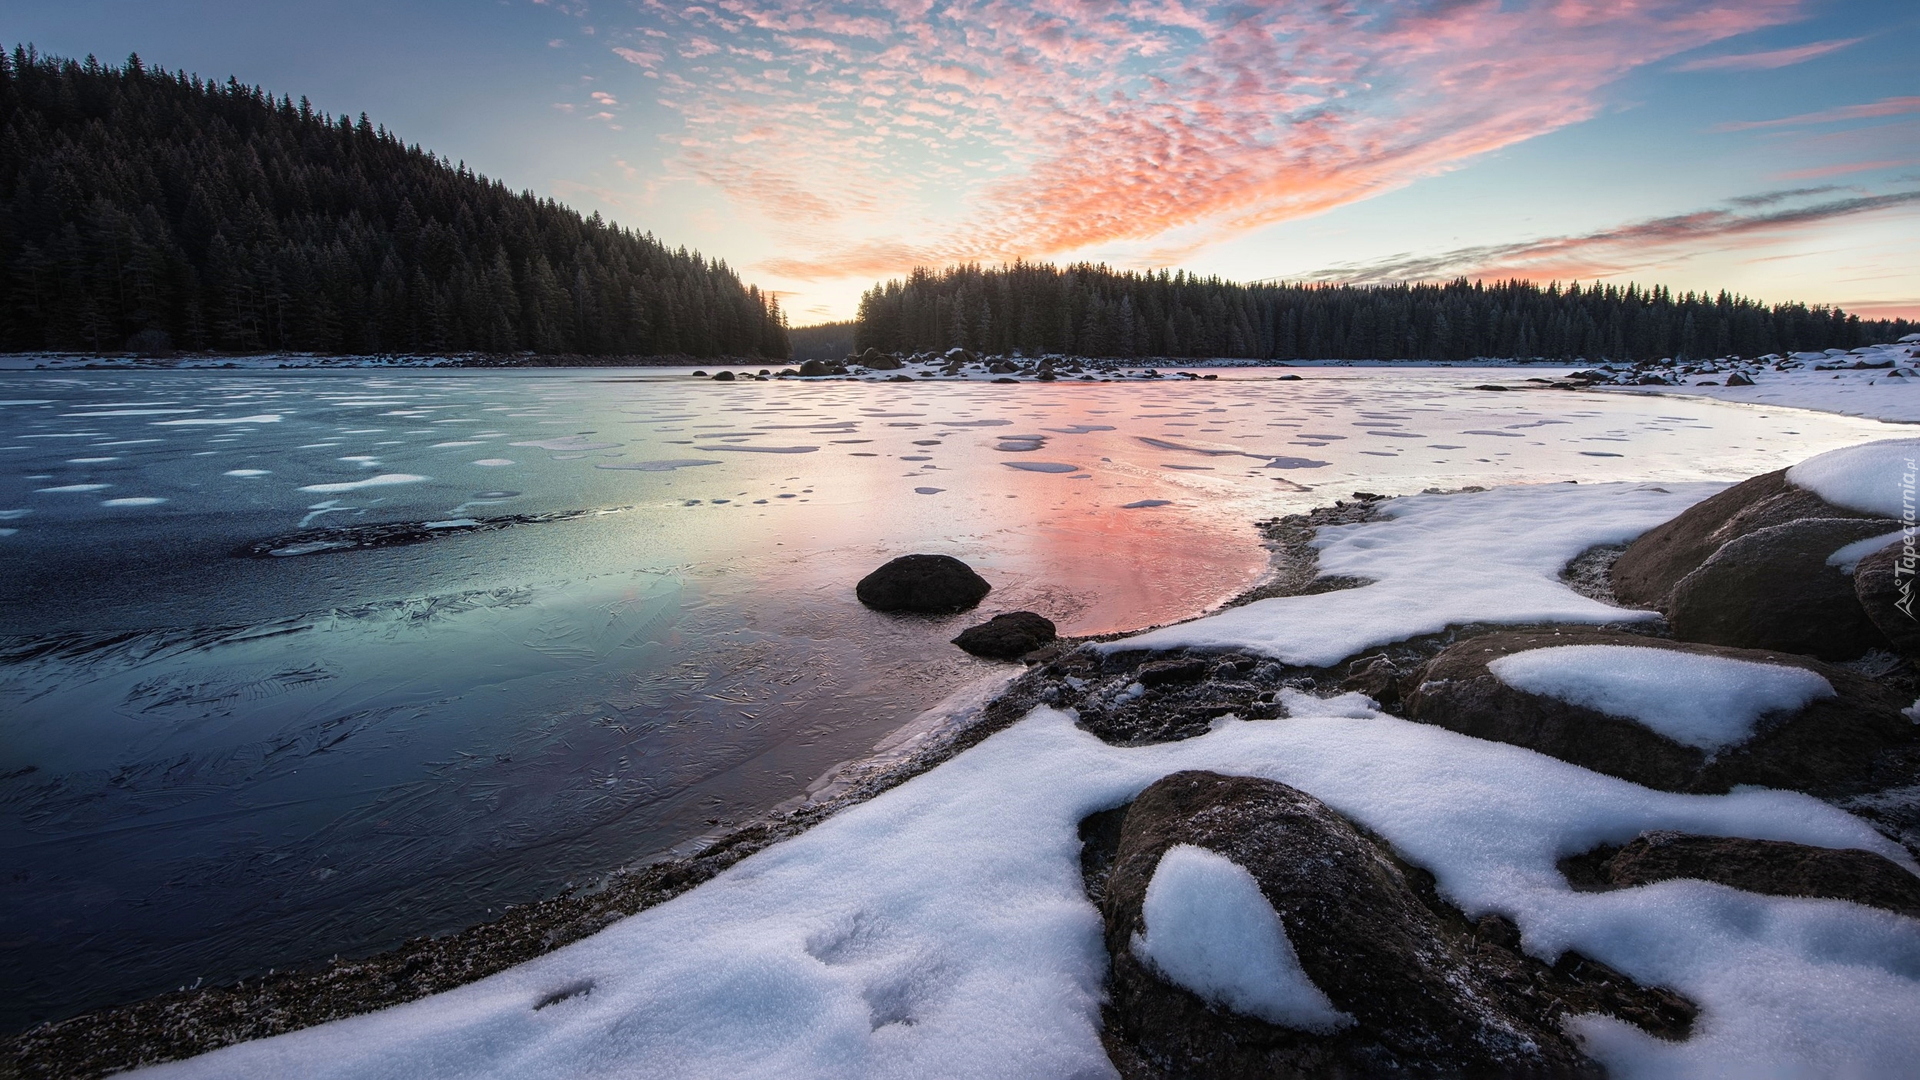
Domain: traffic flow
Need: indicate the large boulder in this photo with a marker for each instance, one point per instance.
(1854, 741)
(875, 360)
(1884, 584)
(1421, 992)
(1772, 588)
(1648, 570)
(1007, 637)
(931, 584)
(1771, 867)
(815, 368)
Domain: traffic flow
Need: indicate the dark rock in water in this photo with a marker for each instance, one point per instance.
(899, 378)
(723, 376)
(1772, 589)
(1287, 378)
(1738, 379)
(698, 374)
(1007, 637)
(1884, 584)
(876, 360)
(933, 584)
(1427, 993)
(1492, 386)
(1651, 566)
(1855, 741)
(1002, 367)
(813, 368)
(1771, 867)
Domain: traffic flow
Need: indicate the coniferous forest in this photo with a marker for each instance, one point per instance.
(1091, 310)
(151, 210)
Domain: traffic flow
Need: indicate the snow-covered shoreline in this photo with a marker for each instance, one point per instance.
(940, 928)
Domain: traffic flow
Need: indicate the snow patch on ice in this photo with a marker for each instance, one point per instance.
(1709, 702)
(383, 480)
(1871, 478)
(262, 418)
(1211, 930)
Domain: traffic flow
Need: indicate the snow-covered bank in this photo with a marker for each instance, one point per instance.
(942, 928)
(1879, 382)
(1438, 560)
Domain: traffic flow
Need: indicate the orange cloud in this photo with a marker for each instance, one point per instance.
(934, 131)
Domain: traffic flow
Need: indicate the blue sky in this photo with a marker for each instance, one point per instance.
(1770, 147)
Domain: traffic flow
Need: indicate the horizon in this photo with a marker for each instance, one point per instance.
(1771, 150)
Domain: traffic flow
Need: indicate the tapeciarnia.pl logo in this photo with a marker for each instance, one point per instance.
(1903, 568)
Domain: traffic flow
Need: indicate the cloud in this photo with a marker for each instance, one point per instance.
(1618, 250)
(1820, 172)
(1893, 106)
(646, 58)
(887, 133)
(1762, 61)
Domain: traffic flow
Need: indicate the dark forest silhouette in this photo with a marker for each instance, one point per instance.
(145, 209)
(1091, 310)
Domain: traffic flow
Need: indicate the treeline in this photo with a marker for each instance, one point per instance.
(1090, 310)
(825, 341)
(146, 209)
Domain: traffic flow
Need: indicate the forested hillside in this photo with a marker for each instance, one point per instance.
(1094, 311)
(149, 207)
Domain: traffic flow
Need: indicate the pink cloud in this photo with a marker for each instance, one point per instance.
(1763, 61)
(1824, 171)
(1126, 121)
(1757, 221)
(1893, 106)
(644, 58)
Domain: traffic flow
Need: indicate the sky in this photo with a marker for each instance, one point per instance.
(1765, 147)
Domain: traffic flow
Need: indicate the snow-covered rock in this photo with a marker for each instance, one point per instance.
(1209, 930)
(1695, 699)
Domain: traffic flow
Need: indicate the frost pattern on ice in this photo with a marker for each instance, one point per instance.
(1437, 560)
(1872, 478)
(1710, 702)
(1211, 930)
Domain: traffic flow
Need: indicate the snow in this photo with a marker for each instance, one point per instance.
(1211, 930)
(942, 928)
(383, 480)
(1875, 393)
(1435, 560)
(1848, 557)
(1872, 478)
(1710, 702)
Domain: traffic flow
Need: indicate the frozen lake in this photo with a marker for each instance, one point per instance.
(239, 728)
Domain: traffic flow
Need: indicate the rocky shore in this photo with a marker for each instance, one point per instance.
(1407, 980)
